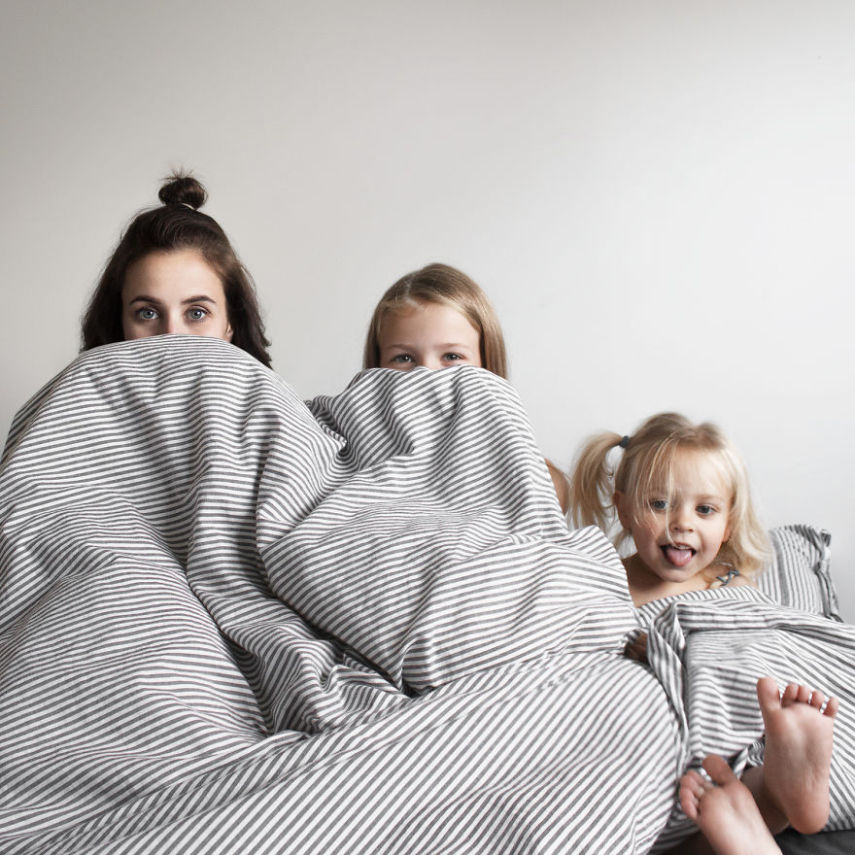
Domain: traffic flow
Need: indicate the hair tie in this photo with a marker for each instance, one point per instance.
(624, 442)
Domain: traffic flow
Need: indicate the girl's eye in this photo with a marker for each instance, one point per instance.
(197, 314)
(705, 510)
(659, 504)
(452, 357)
(402, 358)
(146, 314)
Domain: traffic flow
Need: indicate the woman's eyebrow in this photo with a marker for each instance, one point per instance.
(201, 298)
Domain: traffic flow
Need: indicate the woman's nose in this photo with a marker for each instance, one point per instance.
(172, 325)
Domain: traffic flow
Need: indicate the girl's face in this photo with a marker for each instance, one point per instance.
(174, 292)
(682, 531)
(430, 335)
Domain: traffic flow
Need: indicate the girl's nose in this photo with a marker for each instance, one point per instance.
(681, 518)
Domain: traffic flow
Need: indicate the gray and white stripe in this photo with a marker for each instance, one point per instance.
(234, 624)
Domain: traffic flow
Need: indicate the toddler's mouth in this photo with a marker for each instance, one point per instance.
(677, 554)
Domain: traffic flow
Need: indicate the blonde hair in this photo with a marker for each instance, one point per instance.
(647, 462)
(446, 286)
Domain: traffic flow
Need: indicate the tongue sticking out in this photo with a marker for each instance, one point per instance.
(679, 556)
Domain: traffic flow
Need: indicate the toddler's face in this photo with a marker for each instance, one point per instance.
(682, 531)
(429, 335)
(174, 292)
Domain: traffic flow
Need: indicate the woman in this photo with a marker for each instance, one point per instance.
(174, 271)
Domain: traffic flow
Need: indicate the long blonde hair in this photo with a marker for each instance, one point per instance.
(647, 461)
(446, 286)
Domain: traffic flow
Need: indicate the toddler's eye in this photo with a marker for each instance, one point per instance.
(706, 510)
(146, 314)
(197, 314)
(659, 504)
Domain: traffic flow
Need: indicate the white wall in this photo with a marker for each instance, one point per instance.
(656, 195)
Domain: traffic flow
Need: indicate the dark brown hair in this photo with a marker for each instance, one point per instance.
(177, 224)
(447, 286)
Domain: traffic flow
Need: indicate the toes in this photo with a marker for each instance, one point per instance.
(717, 768)
(689, 803)
(767, 694)
(790, 695)
(817, 699)
(692, 788)
(795, 693)
(694, 782)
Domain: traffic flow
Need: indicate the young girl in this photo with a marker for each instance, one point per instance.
(437, 317)
(681, 493)
(174, 271)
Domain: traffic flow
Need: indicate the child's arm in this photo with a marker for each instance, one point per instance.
(561, 484)
(636, 648)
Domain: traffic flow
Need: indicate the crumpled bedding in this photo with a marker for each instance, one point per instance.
(230, 622)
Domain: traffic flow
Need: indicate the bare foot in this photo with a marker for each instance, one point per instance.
(725, 811)
(798, 752)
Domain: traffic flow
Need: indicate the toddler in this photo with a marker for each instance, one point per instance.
(681, 493)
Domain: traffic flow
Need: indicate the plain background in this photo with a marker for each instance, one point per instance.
(657, 196)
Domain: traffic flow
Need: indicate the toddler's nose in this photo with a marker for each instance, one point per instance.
(681, 520)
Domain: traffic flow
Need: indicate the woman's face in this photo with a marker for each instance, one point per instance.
(174, 291)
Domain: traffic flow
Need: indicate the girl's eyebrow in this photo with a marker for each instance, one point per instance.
(448, 346)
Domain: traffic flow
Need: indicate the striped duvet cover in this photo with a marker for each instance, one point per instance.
(232, 623)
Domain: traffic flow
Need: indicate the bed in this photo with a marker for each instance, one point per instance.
(231, 622)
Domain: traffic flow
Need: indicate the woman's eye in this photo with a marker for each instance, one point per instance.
(659, 504)
(146, 314)
(197, 314)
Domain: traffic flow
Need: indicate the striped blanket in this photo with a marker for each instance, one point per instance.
(232, 623)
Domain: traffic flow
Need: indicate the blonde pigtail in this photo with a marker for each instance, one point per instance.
(591, 484)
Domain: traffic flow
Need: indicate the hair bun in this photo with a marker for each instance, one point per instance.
(181, 189)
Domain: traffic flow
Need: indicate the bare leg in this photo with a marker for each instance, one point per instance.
(725, 811)
(791, 787)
